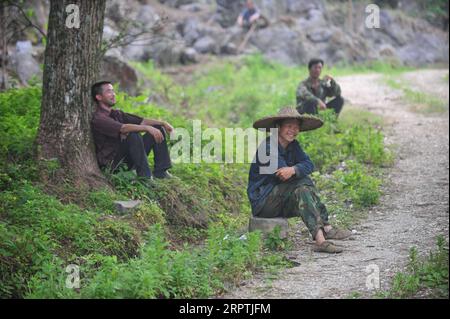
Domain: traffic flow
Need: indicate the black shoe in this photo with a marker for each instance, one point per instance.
(163, 175)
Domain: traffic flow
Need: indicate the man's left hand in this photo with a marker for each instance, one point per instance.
(169, 128)
(285, 173)
(327, 78)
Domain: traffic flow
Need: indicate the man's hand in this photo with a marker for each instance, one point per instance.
(168, 127)
(159, 137)
(322, 105)
(285, 173)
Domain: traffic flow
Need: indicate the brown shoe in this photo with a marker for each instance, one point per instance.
(327, 247)
(338, 234)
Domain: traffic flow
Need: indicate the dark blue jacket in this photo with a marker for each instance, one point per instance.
(260, 185)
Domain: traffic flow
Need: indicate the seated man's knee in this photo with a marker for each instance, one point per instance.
(133, 138)
(309, 107)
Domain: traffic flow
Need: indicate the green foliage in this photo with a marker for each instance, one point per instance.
(430, 274)
(421, 102)
(128, 256)
(19, 119)
(357, 185)
(159, 272)
(273, 241)
(37, 228)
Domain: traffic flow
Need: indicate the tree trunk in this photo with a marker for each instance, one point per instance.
(4, 44)
(70, 67)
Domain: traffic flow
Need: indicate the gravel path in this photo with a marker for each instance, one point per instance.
(412, 212)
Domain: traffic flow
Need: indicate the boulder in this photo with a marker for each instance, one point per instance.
(191, 31)
(124, 207)
(24, 64)
(166, 52)
(267, 225)
(176, 3)
(319, 35)
(206, 44)
(116, 70)
(228, 11)
(189, 56)
(281, 44)
(303, 7)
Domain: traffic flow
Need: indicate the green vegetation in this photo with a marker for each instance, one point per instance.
(422, 102)
(183, 241)
(428, 274)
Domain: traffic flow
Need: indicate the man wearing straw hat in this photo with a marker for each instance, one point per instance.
(279, 183)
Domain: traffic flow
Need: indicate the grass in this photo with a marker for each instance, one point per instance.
(424, 276)
(174, 245)
(421, 102)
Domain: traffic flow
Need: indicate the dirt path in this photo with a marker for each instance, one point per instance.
(413, 210)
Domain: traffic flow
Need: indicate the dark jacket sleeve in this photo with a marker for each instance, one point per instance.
(107, 126)
(305, 166)
(132, 119)
(304, 94)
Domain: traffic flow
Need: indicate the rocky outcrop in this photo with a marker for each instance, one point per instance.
(24, 64)
(115, 69)
(180, 31)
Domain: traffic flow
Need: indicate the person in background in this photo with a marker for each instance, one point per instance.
(313, 92)
(251, 15)
(118, 139)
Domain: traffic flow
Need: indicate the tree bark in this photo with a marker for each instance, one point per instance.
(70, 67)
(3, 16)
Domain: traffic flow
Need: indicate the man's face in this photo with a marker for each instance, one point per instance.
(250, 5)
(316, 70)
(289, 130)
(108, 95)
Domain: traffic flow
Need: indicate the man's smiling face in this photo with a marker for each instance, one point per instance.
(289, 130)
(108, 95)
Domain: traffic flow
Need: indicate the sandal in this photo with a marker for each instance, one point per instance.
(327, 247)
(338, 234)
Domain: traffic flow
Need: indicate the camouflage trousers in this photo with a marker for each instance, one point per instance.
(297, 198)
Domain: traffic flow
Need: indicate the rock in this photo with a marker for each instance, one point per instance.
(115, 70)
(424, 49)
(191, 31)
(176, 3)
(124, 207)
(267, 225)
(387, 50)
(189, 55)
(166, 52)
(229, 48)
(303, 7)
(24, 64)
(147, 16)
(194, 7)
(206, 45)
(228, 11)
(109, 33)
(320, 35)
(281, 44)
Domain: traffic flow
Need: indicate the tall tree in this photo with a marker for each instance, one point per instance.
(71, 63)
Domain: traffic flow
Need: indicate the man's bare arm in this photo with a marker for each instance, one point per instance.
(164, 124)
(133, 128)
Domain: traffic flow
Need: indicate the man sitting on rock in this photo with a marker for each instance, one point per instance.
(279, 185)
(118, 139)
(251, 15)
(312, 92)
